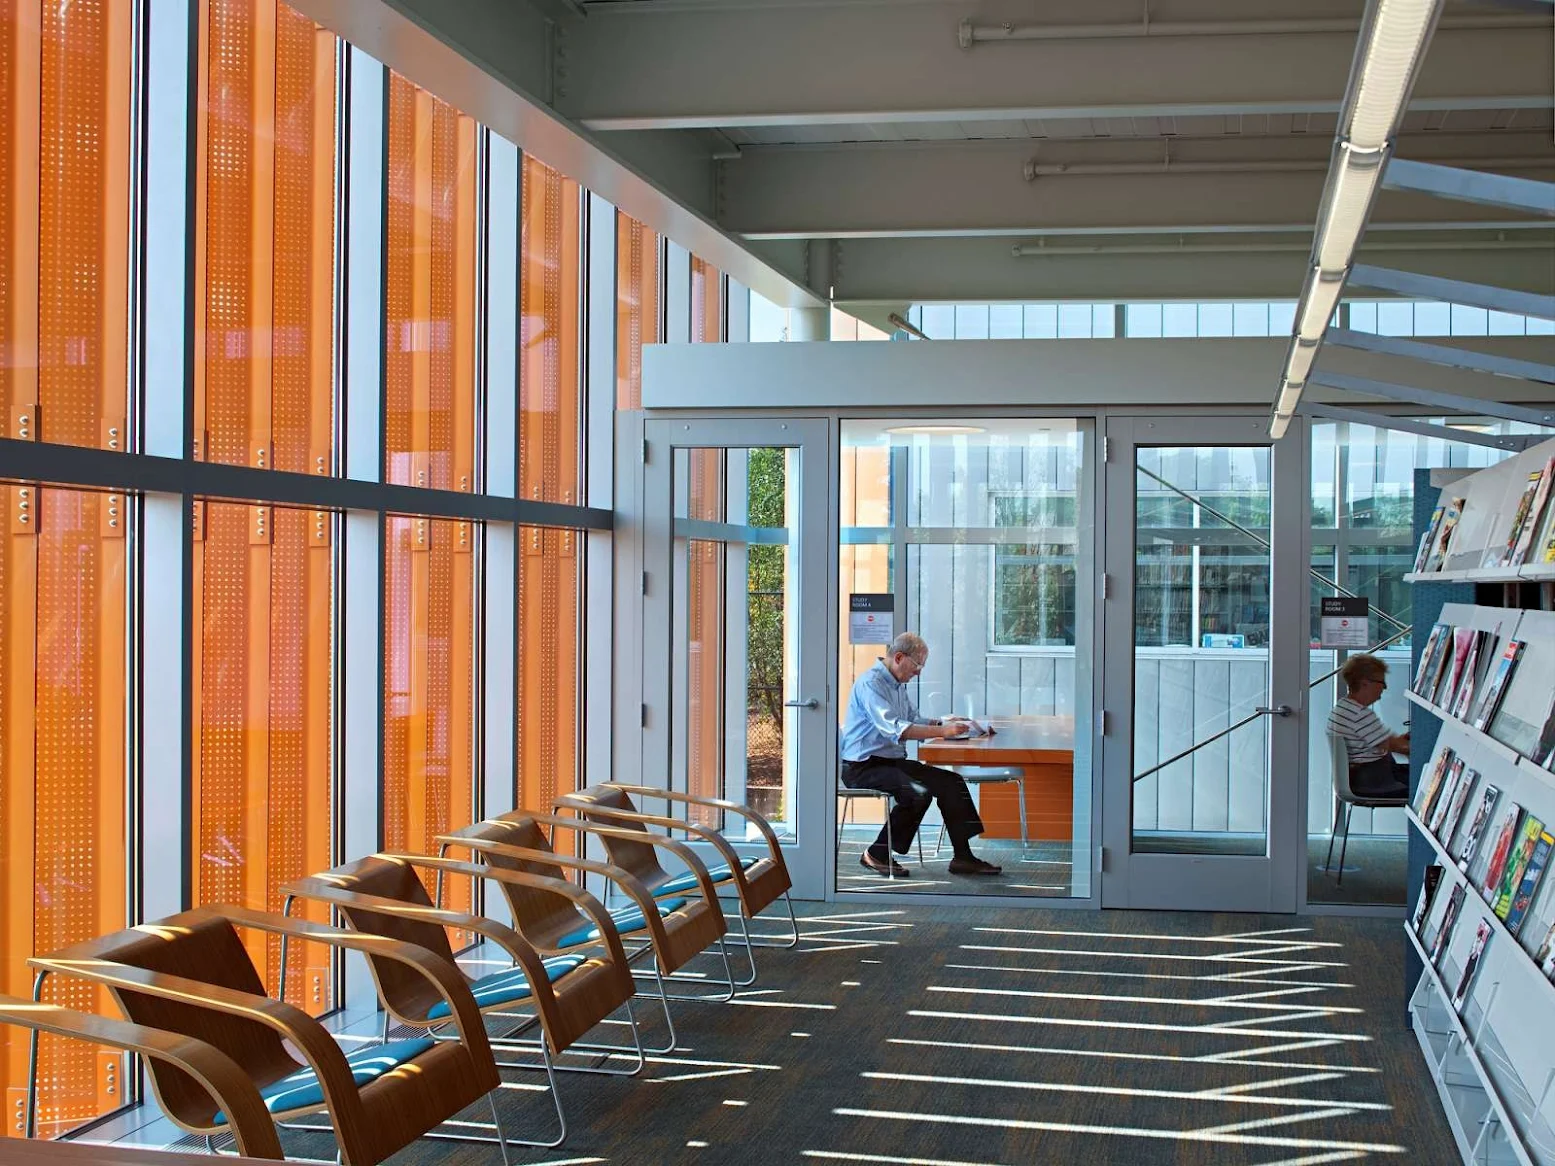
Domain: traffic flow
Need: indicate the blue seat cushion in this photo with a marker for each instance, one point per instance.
(688, 881)
(301, 1089)
(626, 919)
(510, 986)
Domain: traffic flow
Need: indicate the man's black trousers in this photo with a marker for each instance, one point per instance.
(913, 785)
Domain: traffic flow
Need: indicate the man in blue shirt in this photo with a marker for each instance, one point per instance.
(881, 718)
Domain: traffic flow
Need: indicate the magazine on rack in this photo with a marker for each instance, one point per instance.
(1431, 659)
(1433, 879)
(1500, 554)
(1448, 795)
(1544, 750)
(1495, 689)
(1471, 965)
(1545, 955)
(1428, 539)
(1452, 672)
(1504, 836)
(1431, 785)
(1463, 701)
(1529, 887)
(1523, 847)
(1449, 917)
(1437, 559)
(1460, 799)
(1470, 845)
(1533, 522)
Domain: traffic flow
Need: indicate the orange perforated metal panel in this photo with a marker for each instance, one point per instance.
(638, 320)
(707, 303)
(264, 579)
(429, 360)
(550, 436)
(64, 246)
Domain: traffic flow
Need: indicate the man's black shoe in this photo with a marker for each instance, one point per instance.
(893, 868)
(973, 866)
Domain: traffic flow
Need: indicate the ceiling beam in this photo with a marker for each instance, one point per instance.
(1448, 355)
(979, 269)
(1514, 442)
(1010, 187)
(1433, 399)
(1496, 190)
(648, 65)
(1416, 285)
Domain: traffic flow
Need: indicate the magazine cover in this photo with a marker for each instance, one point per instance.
(1527, 840)
(1433, 879)
(1535, 518)
(1460, 799)
(1529, 887)
(1431, 784)
(1430, 657)
(1501, 850)
(1449, 917)
(1445, 798)
(1471, 965)
(1470, 846)
(1452, 670)
(1496, 689)
(1501, 556)
(1428, 540)
(1437, 559)
(1544, 750)
(1545, 956)
(1464, 700)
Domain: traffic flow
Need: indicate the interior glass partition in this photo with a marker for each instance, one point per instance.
(978, 537)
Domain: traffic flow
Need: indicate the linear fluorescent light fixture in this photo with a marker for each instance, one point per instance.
(1278, 424)
(1352, 183)
(1318, 302)
(1299, 362)
(1290, 396)
(1389, 57)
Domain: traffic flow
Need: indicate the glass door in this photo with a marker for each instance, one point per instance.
(735, 696)
(1205, 653)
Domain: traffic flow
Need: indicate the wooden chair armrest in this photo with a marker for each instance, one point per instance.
(576, 895)
(324, 891)
(448, 981)
(739, 808)
(706, 833)
(317, 1047)
(233, 1092)
(679, 849)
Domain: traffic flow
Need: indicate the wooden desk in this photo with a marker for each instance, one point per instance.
(1043, 748)
(16, 1152)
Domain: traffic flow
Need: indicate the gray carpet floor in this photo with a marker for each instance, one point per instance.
(943, 1036)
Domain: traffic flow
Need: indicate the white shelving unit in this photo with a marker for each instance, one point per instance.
(1493, 1062)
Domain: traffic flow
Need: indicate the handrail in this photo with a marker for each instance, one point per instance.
(1263, 542)
(1253, 717)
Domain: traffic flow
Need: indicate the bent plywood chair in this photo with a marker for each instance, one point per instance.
(675, 929)
(190, 974)
(569, 994)
(758, 881)
(225, 1085)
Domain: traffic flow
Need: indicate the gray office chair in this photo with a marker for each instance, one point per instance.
(992, 775)
(1339, 762)
(848, 795)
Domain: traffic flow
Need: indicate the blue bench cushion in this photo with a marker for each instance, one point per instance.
(301, 1089)
(688, 881)
(507, 987)
(626, 919)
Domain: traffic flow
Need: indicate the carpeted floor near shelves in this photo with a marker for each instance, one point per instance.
(955, 1036)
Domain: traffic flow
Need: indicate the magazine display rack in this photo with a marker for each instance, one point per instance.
(1484, 925)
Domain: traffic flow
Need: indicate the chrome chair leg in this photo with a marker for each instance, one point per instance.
(1345, 846)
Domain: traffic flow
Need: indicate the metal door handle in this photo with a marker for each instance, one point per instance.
(812, 703)
(1279, 710)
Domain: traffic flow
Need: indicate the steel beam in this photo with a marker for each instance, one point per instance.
(1514, 444)
(899, 271)
(1455, 291)
(1502, 191)
(982, 187)
(1447, 402)
(1464, 358)
(676, 66)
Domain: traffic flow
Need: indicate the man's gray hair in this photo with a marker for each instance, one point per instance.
(909, 644)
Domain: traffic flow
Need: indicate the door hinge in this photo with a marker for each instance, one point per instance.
(643, 719)
(1106, 449)
(645, 451)
(1101, 859)
(1101, 722)
(645, 582)
(1105, 585)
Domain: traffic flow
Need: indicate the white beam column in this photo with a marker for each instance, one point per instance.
(598, 547)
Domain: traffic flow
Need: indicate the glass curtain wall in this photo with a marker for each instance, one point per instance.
(245, 734)
(980, 537)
